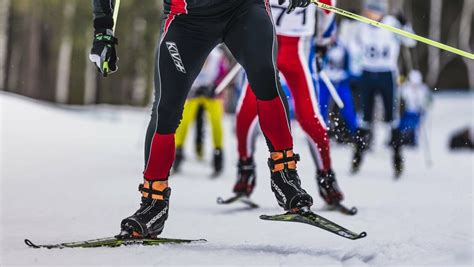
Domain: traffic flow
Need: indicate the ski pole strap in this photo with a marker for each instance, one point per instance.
(401, 32)
(106, 38)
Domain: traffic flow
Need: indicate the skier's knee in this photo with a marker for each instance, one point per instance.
(263, 79)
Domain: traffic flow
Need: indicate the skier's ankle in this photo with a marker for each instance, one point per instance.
(153, 189)
(281, 160)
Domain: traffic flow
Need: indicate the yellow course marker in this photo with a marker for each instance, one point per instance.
(393, 29)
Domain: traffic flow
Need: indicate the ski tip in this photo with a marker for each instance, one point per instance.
(31, 244)
(264, 217)
(353, 211)
(361, 235)
(220, 200)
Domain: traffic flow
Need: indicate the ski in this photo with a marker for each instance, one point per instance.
(116, 242)
(237, 198)
(314, 219)
(343, 209)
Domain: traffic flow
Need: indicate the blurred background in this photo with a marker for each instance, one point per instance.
(44, 46)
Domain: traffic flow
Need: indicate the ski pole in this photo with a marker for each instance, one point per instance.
(116, 11)
(105, 65)
(228, 78)
(332, 89)
(410, 35)
(427, 150)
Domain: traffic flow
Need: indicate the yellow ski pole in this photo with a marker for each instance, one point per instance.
(410, 35)
(105, 65)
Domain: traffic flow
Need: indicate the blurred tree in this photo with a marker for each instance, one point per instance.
(47, 46)
(4, 15)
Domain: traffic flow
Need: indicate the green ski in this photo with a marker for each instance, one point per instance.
(116, 242)
(314, 219)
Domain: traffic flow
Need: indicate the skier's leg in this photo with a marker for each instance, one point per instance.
(246, 128)
(189, 113)
(348, 112)
(215, 110)
(173, 78)
(246, 122)
(200, 133)
(179, 59)
(293, 65)
(324, 101)
(391, 102)
(252, 40)
(292, 61)
(363, 133)
(367, 99)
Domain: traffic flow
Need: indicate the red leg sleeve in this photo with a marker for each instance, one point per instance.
(161, 157)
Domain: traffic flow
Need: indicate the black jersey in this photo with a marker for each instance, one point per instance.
(103, 9)
(199, 7)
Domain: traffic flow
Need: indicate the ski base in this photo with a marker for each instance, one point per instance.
(314, 219)
(238, 198)
(116, 242)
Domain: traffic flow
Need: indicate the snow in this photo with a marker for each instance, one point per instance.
(71, 173)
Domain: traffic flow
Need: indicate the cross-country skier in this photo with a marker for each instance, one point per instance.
(190, 30)
(295, 34)
(202, 94)
(415, 97)
(380, 50)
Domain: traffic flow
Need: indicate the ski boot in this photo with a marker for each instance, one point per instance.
(328, 187)
(217, 162)
(362, 140)
(286, 184)
(246, 177)
(178, 159)
(149, 220)
(396, 143)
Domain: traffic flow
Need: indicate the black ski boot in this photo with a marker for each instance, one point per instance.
(246, 177)
(217, 162)
(178, 159)
(328, 188)
(396, 142)
(286, 184)
(362, 141)
(148, 221)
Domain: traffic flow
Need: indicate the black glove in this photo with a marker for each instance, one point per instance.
(294, 4)
(103, 52)
(321, 51)
(402, 18)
